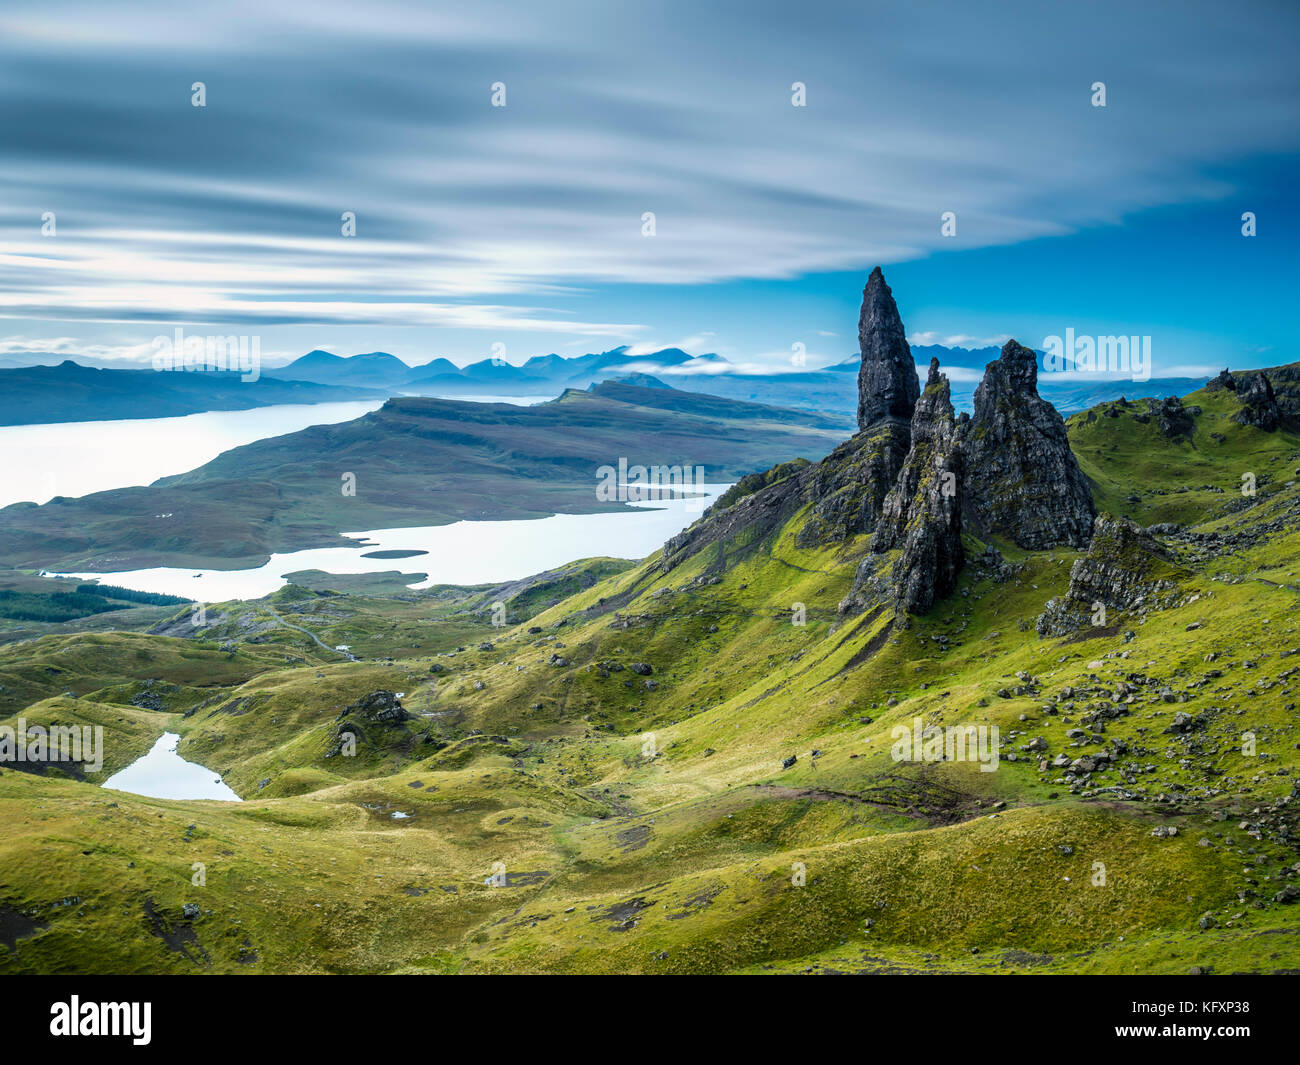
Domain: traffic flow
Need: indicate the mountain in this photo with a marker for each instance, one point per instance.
(709, 373)
(644, 390)
(492, 371)
(416, 461)
(70, 392)
(977, 692)
(375, 369)
(433, 366)
(547, 374)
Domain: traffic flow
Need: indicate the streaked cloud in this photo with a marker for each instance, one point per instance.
(524, 218)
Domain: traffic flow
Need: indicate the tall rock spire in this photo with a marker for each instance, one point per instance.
(1022, 479)
(922, 513)
(887, 383)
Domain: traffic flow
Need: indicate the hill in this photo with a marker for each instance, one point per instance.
(70, 392)
(416, 461)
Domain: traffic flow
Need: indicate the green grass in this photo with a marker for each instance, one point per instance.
(646, 823)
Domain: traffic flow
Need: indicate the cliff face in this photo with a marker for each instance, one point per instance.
(1124, 572)
(887, 384)
(1022, 479)
(922, 513)
(914, 474)
(849, 487)
(1259, 405)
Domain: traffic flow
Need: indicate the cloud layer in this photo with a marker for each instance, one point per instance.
(516, 217)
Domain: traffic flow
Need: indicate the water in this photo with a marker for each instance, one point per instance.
(465, 552)
(77, 458)
(164, 774)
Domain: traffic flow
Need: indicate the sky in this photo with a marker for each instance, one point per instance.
(518, 230)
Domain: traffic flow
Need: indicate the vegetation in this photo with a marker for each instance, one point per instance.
(601, 784)
(414, 462)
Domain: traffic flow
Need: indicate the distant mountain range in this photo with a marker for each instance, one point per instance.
(74, 392)
(70, 392)
(817, 389)
(540, 375)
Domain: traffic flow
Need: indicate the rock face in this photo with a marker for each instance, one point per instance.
(1258, 404)
(1172, 418)
(922, 513)
(1125, 571)
(1022, 480)
(1224, 380)
(912, 477)
(733, 531)
(887, 382)
(849, 487)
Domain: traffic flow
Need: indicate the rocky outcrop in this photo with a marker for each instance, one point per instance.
(922, 513)
(1125, 571)
(1258, 404)
(887, 382)
(1225, 380)
(848, 489)
(912, 476)
(1171, 417)
(1022, 480)
(384, 707)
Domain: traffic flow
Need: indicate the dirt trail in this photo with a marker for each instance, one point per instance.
(306, 632)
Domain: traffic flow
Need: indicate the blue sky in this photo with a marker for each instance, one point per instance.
(521, 225)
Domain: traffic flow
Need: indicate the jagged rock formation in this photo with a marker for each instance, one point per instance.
(913, 475)
(1022, 480)
(1224, 380)
(1267, 402)
(922, 513)
(1171, 417)
(1258, 404)
(849, 487)
(887, 382)
(1125, 570)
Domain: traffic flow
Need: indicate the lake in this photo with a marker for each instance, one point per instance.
(164, 774)
(464, 552)
(77, 458)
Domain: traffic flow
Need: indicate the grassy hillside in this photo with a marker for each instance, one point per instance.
(601, 784)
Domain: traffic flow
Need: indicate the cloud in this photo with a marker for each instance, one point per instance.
(958, 340)
(695, 344)
(486, 218)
